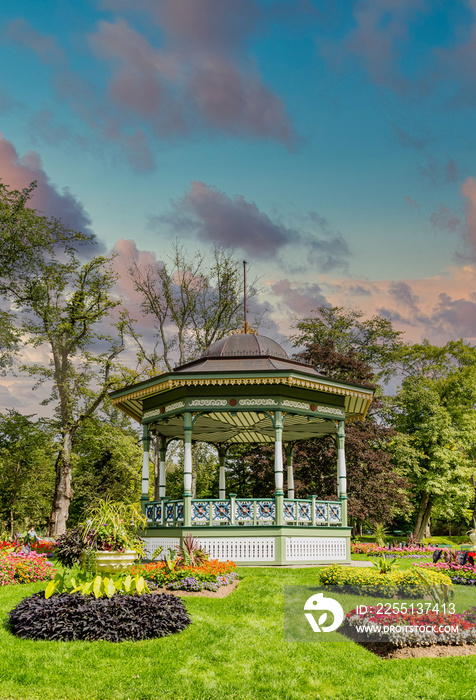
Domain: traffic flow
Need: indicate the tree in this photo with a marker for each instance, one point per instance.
(192, 305)
(26, 471)
(107, 459)
(373, 341)
(63, 306)
(377, 489)
(434, 412)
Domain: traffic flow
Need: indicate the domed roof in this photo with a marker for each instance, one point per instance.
(245, 352)
(245, 344)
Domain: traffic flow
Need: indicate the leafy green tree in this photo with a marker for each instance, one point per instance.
(26, 471)
(107, 459)
(373, 341)
(63, 306)
(192, 304)
(206, 471)
(434, 412)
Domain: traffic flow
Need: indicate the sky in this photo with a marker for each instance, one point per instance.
(330, 143)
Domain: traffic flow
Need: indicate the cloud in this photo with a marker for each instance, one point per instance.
(402, 292)
(18, 173)
(404, 138)
(445, 220)
(440, 173)
(234, 222)
(418, 307)
(468, 190)
(412, 203)
(19, 31)
(199, 80)
(378, 38)
(227, 222)
(190, 73)
(300, 299)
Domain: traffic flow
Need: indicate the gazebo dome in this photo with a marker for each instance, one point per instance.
(242, 344)
(245, 352)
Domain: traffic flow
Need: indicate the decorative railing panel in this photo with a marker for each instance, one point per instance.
(221, 512)
(245, 511)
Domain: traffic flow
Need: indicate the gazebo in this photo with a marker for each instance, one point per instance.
(246, 389)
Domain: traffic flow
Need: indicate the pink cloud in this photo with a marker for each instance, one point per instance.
(418, 306)
(18, 173)
(189, 84)
(468, 190)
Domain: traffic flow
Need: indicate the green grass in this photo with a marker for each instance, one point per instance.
(235, 649)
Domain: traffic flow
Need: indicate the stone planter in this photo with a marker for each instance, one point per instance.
(113, 562)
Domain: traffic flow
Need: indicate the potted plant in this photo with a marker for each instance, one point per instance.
(110, 536)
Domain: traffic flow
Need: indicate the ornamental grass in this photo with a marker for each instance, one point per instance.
(398, 583)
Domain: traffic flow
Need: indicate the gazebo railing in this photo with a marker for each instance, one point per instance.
(235, 511)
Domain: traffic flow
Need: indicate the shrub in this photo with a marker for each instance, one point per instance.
(122, 617)
(370, 582)
(68, 548)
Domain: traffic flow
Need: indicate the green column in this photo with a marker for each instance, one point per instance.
(341, 470)
(145, 464)
(187, 469)
(278, 466)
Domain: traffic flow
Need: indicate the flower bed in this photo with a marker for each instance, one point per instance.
(374, 550)
(371, 582)
(459, 574)
(211, 575)
(24, 568)
(410, 629)
(38, 546)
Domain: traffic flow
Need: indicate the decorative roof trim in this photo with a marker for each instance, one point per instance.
(290, 381)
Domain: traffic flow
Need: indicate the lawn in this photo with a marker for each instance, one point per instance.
(234, 649)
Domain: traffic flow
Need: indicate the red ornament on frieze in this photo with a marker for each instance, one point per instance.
(313, 407)
(162, 410)
(232, 402)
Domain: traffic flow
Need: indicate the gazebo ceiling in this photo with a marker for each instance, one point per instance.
(232, 390)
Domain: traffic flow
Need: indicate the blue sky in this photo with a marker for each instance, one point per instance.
(332, 144)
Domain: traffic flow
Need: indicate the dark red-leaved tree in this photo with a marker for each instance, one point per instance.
(376, 490)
